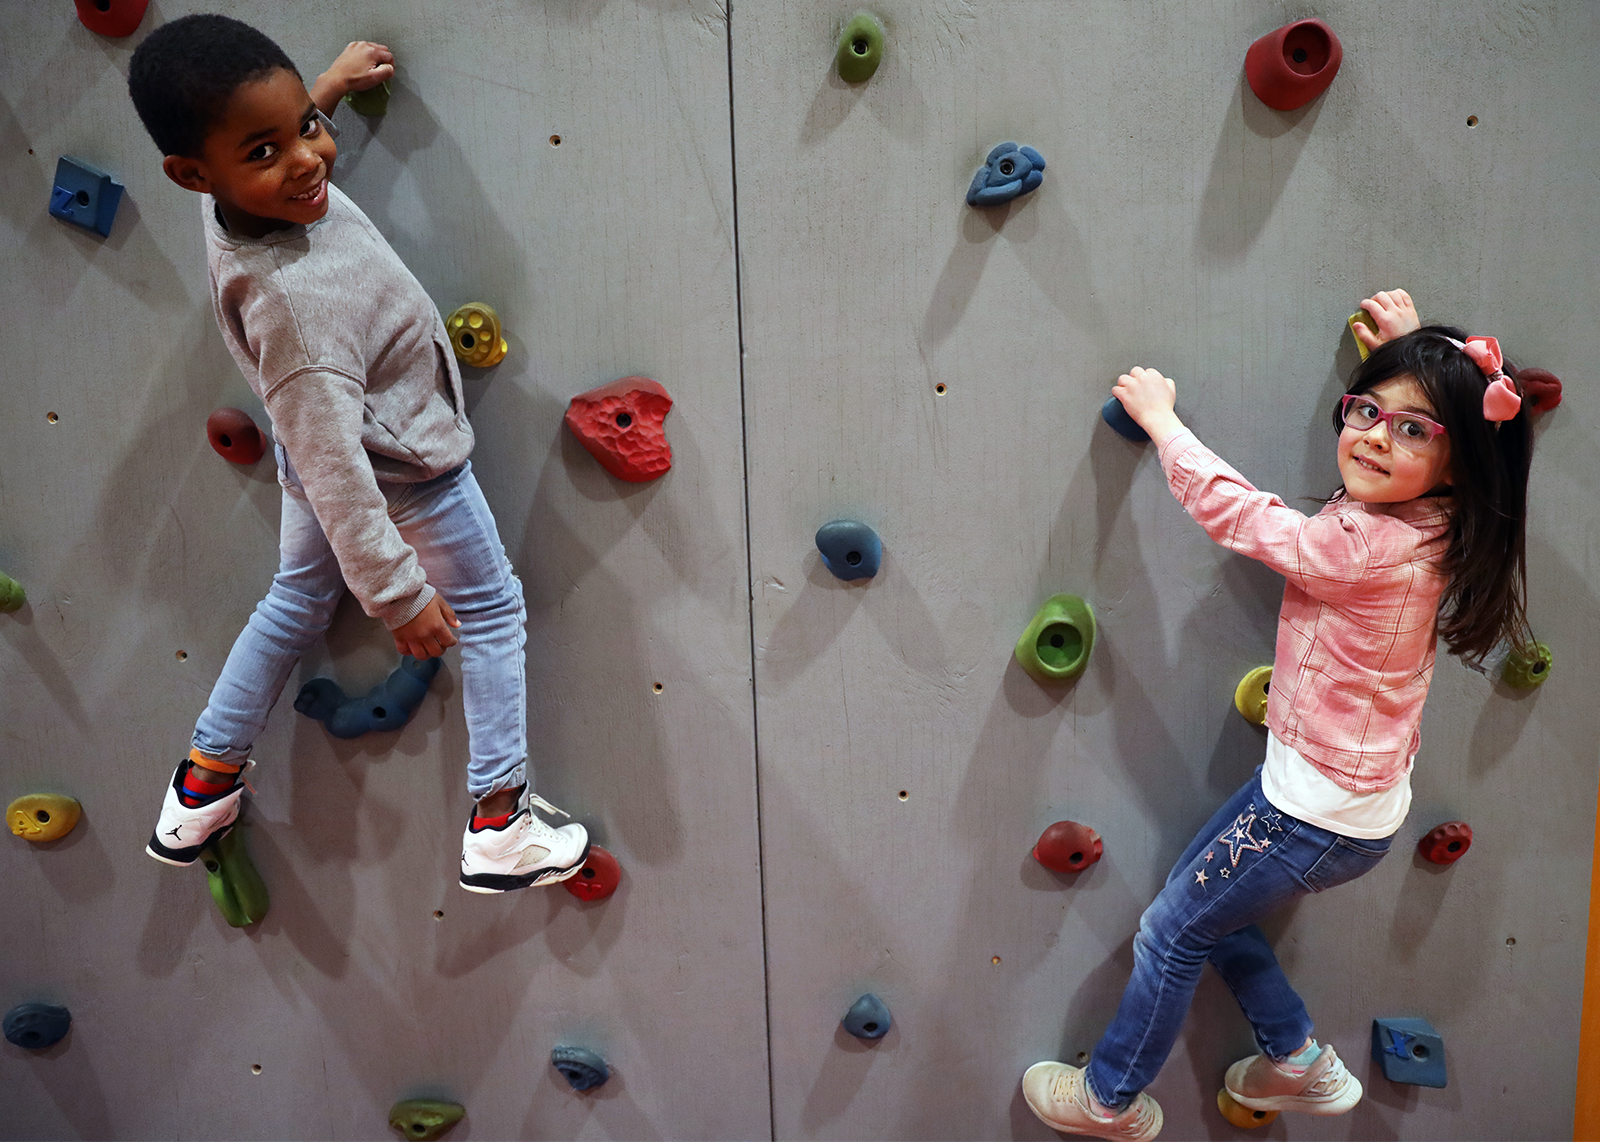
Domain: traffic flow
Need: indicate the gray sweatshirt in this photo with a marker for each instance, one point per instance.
(352, 360)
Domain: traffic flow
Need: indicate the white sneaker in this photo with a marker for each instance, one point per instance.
(183, 830)
(1059, 1098)
(1323, 1087)
(522, 852)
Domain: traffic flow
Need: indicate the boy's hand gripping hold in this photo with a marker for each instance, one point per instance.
(361, 65)
(429, 634)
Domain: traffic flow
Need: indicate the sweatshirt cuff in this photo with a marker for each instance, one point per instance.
(405, 612)
(1177, 444)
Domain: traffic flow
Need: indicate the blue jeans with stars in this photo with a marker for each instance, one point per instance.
(1248, 861)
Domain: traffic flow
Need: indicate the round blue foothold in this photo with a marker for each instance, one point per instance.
(37, 1025)
(850, 550)
(1125, 426)
(581, 1067)
(868, 1018)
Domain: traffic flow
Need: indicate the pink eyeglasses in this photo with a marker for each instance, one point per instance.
(1408, 429)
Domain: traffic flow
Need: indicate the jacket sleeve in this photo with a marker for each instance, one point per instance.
(1325, 555)
(318, 414)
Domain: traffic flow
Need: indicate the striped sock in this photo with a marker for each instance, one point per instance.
(200, 783)
(491, 822)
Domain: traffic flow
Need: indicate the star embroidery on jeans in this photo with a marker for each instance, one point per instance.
(1200, 878)
(1239, 840)
(1271, 822)
(1210, 854)
(1224, 874)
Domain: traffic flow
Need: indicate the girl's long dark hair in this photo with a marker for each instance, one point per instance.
(1485, 598)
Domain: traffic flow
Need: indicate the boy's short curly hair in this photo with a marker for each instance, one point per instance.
(183, 74)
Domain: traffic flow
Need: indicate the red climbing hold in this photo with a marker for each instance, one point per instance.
(1067, 846)
(111, 17)
(1542, 387)
(1446, 844)
(1290, 67)
(235, 436)
(621, 426)
(598, 878)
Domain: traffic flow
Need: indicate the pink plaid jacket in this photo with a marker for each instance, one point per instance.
(1356, 632)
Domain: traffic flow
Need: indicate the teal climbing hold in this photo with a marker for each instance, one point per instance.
(581, 1067)
(860, 48)
(1410, 1051)
(868, 1018)
(850, 550)
(1057, 643)
(35, 1026)
(387, 706)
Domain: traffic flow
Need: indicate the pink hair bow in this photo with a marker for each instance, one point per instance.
(1500, 399)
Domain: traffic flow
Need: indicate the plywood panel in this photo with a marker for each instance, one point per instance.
(907, 763)
(375, 977)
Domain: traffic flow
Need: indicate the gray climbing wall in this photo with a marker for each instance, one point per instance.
(607, 255)
(904, 764)
(907, 763)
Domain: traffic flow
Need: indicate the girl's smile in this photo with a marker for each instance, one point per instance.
(1378, 470)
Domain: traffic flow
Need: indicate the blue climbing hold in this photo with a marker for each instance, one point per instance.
(37, 1025)
(581, 1067)
(1124, 425)
(387, 706)
(849, 549)
(85, 196)
(1410, 1050)
(1008, 172)
(868, 1018)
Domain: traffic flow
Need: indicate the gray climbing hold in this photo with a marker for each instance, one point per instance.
(581, 1067)
(868, 1018)
(37, 1025)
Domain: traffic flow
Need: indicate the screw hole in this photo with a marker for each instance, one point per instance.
(1299, 55)
(438, 914)
(468, 341)
(255, 1068)
(659, 687)
(869, 1028)
(1511, 941)
(994, 959)
(379, 712)
(586, 872)
(42, 816)
(1083, 1056)
(939, 388)
(1007, 167)
(103, 5)
(227, 441)
(852, 557)
(1453, 846)
(82, 197)
(1540, 667)
(624, 419)
(51, 417)
(183, 656)
(1075, 858)
(555, 140)
(1057, 640)
(213, 866)
(418, 1129)
(1472, 120)
(905, 795)
(1418, 1051)
(859, 45)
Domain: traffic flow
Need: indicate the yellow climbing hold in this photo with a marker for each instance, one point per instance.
(1242, 1116)
(1250, 698)
(40, 817)
(475, 335)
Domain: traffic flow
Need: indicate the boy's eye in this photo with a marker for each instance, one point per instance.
(311, 128)
(264, 151)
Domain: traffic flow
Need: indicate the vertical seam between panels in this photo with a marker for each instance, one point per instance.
(749, 570)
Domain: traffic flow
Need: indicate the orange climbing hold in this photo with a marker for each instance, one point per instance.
(1067, 846)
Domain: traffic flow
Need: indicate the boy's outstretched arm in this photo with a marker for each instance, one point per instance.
(1395, 314)
(361, 65)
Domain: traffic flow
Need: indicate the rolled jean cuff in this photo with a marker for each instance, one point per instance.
(516, 776)
(227, 755)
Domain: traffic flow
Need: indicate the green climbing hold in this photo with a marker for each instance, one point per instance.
(236, 887)
(1527, 668)
(860, 48)
(372, 102)
(1057, 643)
(11, 594)
(425, 1118)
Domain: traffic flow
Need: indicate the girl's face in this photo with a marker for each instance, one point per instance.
(1376, 468)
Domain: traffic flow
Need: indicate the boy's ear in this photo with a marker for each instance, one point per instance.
(187, 173)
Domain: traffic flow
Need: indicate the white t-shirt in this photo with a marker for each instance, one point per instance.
(1297, 787)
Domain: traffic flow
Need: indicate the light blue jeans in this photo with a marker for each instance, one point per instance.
(449, 525)
(1248, 861)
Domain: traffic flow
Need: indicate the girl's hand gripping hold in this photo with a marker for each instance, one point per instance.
(1149, 398)
(361, 65)
(1394, 313)
(428, 635)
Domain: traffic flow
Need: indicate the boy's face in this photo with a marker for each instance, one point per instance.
(266, 161)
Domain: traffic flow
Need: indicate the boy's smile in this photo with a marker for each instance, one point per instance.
(267, 159)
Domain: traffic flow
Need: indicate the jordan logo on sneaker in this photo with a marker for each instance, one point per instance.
(531, 856)
(176, 829)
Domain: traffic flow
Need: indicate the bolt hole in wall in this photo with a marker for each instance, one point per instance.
(1472, 120)
(659, 687)
(52, 418)
(905, 795)
(438, 914)
(939, 388)
(1511, 941)
(994, 960)
(183, 656)
(555, 140)
(255, 1068)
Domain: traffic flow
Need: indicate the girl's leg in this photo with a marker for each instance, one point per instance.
(295, 613)
(1248, 861)
(449, 524)
(1248, 965)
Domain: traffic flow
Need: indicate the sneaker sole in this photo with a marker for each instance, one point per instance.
(494, 882)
